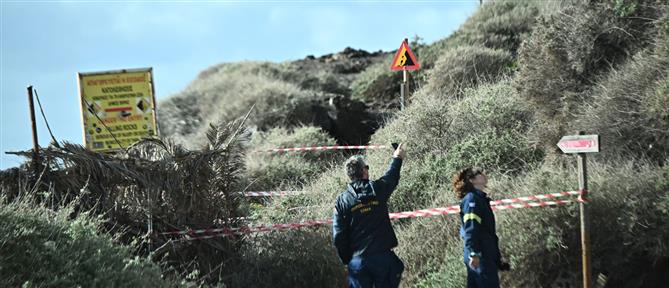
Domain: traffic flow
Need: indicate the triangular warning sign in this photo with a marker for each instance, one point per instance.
(404, 59)
(142, 105)
(95, 108)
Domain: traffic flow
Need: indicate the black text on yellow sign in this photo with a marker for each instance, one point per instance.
(118, 108)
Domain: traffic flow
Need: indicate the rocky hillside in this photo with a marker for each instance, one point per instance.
(311, 91)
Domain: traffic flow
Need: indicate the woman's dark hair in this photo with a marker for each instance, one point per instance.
(462, 181)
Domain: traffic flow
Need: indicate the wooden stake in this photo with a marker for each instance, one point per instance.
(33, 123)
(585, 224)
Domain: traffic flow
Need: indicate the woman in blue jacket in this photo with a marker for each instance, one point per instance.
(482, 256)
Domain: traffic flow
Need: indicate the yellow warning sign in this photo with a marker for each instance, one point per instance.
(404, 59)
(118, 108)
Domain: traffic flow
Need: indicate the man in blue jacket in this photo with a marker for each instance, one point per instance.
(362, 232)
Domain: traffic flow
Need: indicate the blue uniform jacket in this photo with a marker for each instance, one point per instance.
(361, 225)
(478, 227)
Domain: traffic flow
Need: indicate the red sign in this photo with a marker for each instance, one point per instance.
(579, 144)
(404, 58)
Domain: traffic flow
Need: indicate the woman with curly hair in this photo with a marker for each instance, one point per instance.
(482, 256)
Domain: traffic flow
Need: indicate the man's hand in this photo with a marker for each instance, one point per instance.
(399, 152)
(474, 262)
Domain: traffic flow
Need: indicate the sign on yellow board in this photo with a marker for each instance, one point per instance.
(118, 108)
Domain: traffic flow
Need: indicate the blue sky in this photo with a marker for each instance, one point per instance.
(45, 43)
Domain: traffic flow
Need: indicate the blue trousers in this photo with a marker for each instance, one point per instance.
(485, 276)
(383, 270)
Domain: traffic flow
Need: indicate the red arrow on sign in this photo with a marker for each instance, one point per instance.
(579, 144)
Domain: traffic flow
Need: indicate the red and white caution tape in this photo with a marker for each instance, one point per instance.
(271, 193)
(456, 209)
(324, 148)
(535, 197)
(531, 204)
(425, 212)
(492, 203)
(202, 234)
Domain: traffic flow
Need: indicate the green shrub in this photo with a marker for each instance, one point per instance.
(662, 41)
(486, 127)
(629, 109)
(275, 103)
(465, 67)
(43, 248)
(433, 124)
(426, 176)
(229, 93)
(290, 72)
(569, 49)
(431, 249)
(377, 83)
(324, 81)
(293, 258)
(624, 8)
(499, 25)
(424, 125)
(287, 170)
(504, 152)
(502, 25)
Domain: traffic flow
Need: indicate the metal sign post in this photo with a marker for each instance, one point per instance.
(404, 60)
(403, 88)
(580, 145)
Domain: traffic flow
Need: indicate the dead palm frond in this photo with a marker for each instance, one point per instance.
(153, 185)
